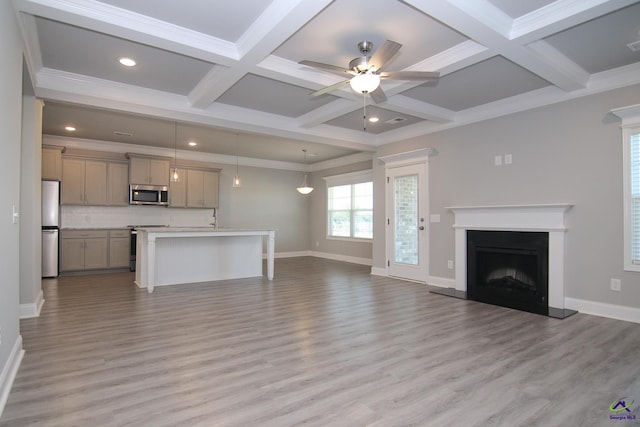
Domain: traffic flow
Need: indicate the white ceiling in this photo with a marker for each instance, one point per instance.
(228, 72)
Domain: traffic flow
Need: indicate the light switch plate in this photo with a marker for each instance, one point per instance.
(434, 217)
(497, 160)
(508, 159)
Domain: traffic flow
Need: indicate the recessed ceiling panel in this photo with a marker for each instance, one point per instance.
(601, 44)
(76, 50)
(205, 16)
(387, 120)
(518, 8)
(332, 36)
(271, 96)
(484, 82)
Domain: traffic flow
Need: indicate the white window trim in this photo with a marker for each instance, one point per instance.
(630, 117)
(346, 179)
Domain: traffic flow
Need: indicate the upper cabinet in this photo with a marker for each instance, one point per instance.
(84, 182)
(117, 184)
(202, 189)
(148, 170)
(197, 188)
(94, 182)
(52, 163)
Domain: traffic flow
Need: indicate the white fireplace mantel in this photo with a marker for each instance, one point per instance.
(549, 218)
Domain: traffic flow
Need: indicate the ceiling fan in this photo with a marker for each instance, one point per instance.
(367, 71)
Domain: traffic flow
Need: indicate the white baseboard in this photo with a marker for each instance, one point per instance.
(289, 254)
(377, 271)
(9, 372)
(345, 258)
(441, 282)
(612, 311)
(30, 310)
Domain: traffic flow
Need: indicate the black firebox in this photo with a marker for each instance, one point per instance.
(509, 268)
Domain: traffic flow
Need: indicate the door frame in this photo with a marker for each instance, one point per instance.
(408, 158)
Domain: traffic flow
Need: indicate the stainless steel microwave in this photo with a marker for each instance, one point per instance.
(148, 195)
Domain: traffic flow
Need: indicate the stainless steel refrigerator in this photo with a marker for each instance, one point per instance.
(50, 227)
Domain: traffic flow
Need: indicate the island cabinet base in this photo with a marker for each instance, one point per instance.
(171, 257)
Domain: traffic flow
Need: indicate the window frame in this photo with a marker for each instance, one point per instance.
(351, 179)
(630, 126)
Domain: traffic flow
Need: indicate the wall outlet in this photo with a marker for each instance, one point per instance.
(508, 159)
(616, 285)
(434, 218)
(497, 160)
(450, 264)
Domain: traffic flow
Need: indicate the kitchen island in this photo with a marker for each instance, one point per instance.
(175, 255)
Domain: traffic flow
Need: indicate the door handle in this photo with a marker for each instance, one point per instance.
(421, 227)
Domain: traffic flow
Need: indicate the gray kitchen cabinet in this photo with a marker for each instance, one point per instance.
(83, 250)
(84, 182)
(119, 248)
(178, 191)
(118, 184)
(52, 163)
(202, 188)
(148, 171)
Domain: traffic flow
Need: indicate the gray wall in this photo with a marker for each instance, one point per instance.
(267, 199)
(318, 216)
(569, 152)
(10, 125)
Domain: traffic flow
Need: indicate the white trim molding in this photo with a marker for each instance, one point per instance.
(344, 258)
(612, 311)
(33, 309)
(9, 372)
(550, 218)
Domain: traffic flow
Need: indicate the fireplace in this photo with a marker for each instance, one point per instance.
(545, 219)
(508, 268)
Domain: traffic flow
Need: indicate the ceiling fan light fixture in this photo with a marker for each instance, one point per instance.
(365, 83)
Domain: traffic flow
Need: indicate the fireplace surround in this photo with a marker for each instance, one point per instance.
(549, 218)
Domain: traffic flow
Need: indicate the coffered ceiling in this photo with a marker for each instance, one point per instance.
(229, 71)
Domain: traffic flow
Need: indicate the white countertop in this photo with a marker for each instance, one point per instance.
(202, 228)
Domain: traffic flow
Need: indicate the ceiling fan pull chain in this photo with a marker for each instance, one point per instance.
(364, 112)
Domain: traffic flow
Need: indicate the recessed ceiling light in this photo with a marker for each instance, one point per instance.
(70, 128)
(192, 143)
(373, 119)
(127, 62)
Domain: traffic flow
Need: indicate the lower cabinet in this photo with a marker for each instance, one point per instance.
(119, 248)
(82, 250)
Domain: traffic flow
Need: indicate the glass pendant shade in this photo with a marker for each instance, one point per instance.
(304, 188)
(175, 176)
(236, 181)
(365, 83)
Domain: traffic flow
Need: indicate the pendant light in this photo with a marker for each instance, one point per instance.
(305, 188)
(175, 177)
(236, 179)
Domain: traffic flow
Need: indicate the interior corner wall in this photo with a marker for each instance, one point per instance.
(348, 250)
(30, 207)
(10, 129)
(569, 152)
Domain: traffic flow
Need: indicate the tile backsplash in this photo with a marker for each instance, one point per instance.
(118, 217)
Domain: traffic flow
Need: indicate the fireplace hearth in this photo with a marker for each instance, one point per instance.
(508, 268)
(522, 281)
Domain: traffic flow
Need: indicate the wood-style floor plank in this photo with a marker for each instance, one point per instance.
(325, 343)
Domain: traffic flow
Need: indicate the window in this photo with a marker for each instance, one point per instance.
(631, 172)
(350, 205)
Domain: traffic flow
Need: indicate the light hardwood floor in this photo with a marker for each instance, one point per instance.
(324, 344)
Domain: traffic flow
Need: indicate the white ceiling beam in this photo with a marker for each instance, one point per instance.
(107, 19)
(463, 16)
(413, 107)
(275, 25)
(561, 15)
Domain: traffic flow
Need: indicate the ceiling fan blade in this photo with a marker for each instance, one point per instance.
(378, 95)
(384, 53)
(329, 88)
(327, 67)
(410, 75)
